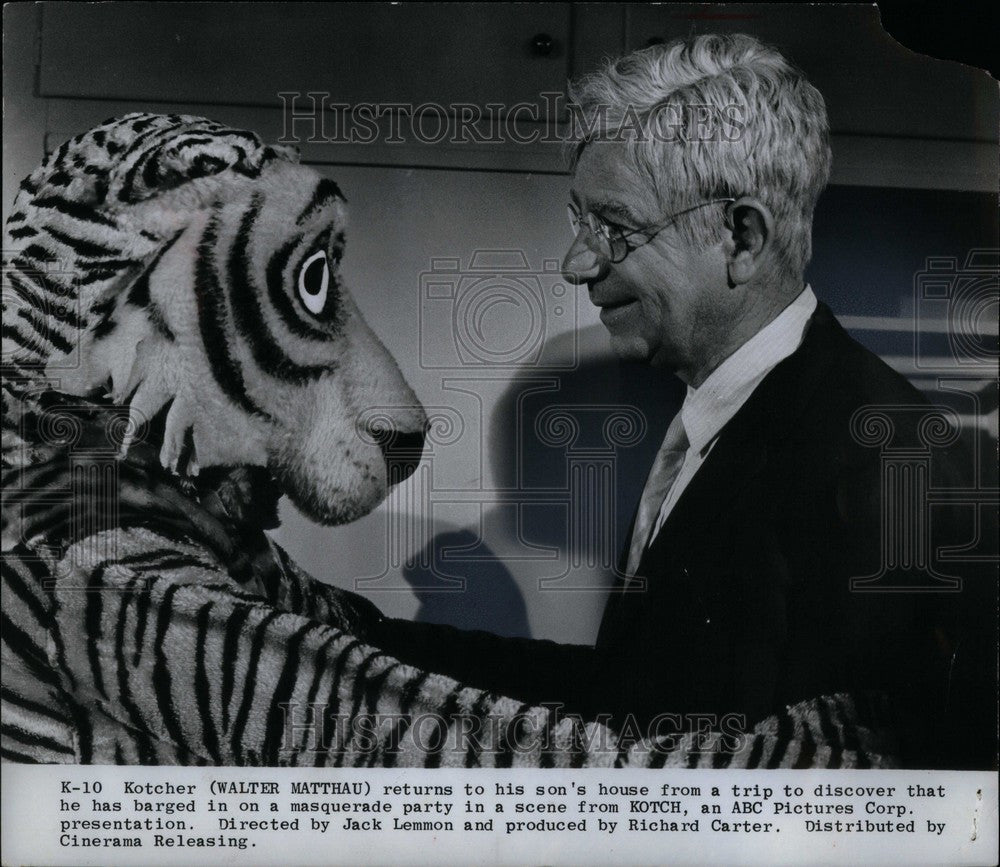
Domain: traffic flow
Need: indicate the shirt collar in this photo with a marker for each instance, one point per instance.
(708, 408)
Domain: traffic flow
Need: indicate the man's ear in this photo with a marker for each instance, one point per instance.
(751, 230)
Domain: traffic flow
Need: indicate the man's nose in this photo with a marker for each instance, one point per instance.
(581, 264)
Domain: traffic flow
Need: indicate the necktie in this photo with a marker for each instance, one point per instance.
(666, 467)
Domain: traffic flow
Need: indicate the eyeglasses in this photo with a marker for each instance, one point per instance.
(614, 242)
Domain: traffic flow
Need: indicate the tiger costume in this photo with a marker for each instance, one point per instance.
(179, 351)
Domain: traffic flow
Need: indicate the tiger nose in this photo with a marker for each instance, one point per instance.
(401, 450)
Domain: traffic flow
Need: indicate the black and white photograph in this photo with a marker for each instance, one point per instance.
(423, 399)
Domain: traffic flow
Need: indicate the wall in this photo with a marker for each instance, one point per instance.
(518, 510)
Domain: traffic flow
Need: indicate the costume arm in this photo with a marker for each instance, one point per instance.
(171, 663)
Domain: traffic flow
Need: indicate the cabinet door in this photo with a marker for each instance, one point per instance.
(247, 53)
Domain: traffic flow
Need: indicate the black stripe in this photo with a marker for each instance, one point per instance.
(98, 275)
(291, 581)
(448, 708)
(144, 747)
(283, 691)
(807, 749)
(44, 279)
(76, 210)
(248, 313)
(203, 697)
(138, 294)
(826, 724)
(782, 741)
(319, 669)
(661, 752)
(161, 669)
(94, 617)
(333, 699)
(227, 589)
(142, 611)
(45, 330)
(190, 140)
(31, 705)
(408, 695)
(211, 321)
(849, 733)
(43, 304)
(34, 739)
(230, 647)
(59, 157)
(57, 640)
(175, 563)
(357, 696)
(505, 750)
(21, 589)
(83, 247)
(22, 646)
(21, 758)
(373, 691)
(150, 138)
(23, 232)
(115, 265)
(722, 757)
(325, 191)
(547, 758)
(479, 707)
(151, 559)
(26, 343)
(253, 676)
(38, 253)
(280, 300)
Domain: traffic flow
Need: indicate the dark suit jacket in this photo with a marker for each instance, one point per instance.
(748, 605)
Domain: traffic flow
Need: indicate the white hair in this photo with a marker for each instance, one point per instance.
(715, 116)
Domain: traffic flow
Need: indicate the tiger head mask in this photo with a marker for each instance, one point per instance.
(188, 271)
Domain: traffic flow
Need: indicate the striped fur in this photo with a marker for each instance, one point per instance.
(154, 325)
(157, 657)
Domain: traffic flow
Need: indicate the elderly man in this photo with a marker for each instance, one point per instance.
(692, 205)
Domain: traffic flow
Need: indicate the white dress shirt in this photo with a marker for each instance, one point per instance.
(708, 408)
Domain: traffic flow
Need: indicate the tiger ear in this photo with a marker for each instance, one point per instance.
(187, 156)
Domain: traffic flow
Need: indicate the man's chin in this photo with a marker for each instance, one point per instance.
(631, 347)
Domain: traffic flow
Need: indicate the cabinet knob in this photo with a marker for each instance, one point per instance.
(542, 44)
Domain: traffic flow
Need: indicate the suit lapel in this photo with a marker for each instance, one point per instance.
(741, 450)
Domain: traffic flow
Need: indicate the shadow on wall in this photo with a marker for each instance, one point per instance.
(490, 599)
(572, 448)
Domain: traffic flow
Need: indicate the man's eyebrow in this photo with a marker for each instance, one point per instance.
(616, 209)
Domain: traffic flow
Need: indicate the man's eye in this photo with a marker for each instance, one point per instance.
(611, 227)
